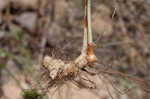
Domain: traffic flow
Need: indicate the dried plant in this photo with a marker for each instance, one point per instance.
(60, 68)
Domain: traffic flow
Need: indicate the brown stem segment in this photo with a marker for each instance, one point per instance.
(91, 55)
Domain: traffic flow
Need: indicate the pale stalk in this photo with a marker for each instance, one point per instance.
(90, 51)
(90, 38)
(85, 37)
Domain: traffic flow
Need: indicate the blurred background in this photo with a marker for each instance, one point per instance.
(29, 29)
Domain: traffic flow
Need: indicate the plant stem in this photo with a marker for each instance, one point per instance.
(90, 50)
(85, 38)
(90, 38)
